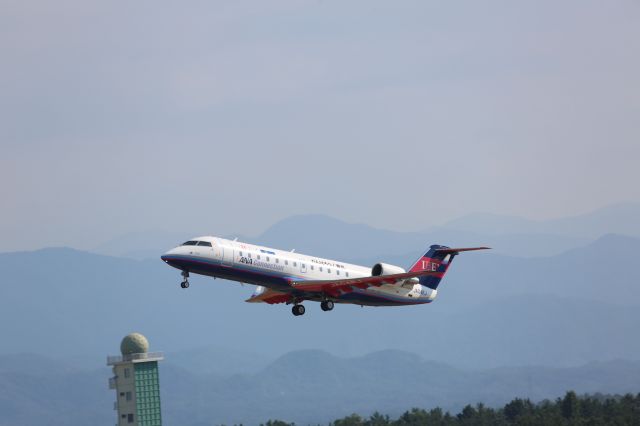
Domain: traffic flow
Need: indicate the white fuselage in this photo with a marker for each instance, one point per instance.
(276, 269)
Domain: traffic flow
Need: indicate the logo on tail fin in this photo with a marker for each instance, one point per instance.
(437, 259)
(429, 265)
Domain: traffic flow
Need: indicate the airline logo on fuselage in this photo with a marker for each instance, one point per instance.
(259, 264)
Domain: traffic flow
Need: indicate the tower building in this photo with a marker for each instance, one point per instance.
(135, 379)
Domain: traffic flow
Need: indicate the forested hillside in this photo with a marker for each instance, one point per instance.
(593, 410)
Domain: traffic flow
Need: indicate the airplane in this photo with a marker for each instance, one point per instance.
(292, 278)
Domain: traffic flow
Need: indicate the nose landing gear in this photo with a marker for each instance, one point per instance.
(185, 282)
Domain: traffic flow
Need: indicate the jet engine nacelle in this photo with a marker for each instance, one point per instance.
(386, 269)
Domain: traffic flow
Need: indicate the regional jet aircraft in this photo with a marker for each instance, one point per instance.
(291, 278)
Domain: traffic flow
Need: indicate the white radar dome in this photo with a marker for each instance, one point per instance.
(134, 343)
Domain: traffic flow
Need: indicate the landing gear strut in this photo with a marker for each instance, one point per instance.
(185, 282)
(297, 310)
(326, 305)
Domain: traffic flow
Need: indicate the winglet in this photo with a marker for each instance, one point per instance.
(269, 296)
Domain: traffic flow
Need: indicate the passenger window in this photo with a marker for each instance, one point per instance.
(321, 269)
(328, 271)
(286, 262)
(337, 272)
(295, 264)
(258, 257)
(240, 253)
(347, 274)
(267, 258)
(312, 267)
(277, 261)
(249, 255)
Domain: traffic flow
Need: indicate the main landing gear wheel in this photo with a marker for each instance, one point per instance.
(184, 284)
(326, 305)
(298, 310)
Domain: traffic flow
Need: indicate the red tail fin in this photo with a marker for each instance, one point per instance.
(438, 259)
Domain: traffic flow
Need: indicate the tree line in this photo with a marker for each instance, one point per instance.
(588, 410)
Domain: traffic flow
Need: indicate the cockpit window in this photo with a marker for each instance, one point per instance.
(190, 243)
(204, 243)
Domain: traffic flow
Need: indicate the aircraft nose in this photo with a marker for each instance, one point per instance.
(165, 257)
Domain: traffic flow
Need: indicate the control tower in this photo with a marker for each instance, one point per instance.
(136, 382)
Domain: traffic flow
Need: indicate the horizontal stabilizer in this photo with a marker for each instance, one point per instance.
(458, 250)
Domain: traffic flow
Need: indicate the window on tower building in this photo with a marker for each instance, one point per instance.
(127, 374)
(128, 396)
(129, 418)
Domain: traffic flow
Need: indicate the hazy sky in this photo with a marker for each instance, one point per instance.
(223, 117)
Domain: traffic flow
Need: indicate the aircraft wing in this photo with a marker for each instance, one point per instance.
(336, 288)
(269, 296)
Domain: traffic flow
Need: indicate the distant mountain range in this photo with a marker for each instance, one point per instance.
(621, 218)
(329, 237)
(561, 310)
(308, 387)
(562, 295)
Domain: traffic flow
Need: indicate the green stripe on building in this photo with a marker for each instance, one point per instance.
(148, 394)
